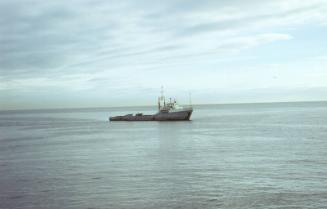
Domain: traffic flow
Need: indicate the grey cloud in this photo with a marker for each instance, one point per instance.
(244, 22)
(35, 41)
(41, 37)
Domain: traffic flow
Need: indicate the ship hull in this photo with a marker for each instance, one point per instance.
(181, 115)
(161, 116)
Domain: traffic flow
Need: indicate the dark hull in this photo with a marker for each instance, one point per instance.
(171, 116)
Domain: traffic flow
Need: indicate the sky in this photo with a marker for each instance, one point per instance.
(102, 53)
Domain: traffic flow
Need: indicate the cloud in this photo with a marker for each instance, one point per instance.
(240, 43)
(71, 82)
(42, 36)
(138, 43)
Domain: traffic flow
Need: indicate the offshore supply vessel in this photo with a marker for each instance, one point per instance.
(169, 111)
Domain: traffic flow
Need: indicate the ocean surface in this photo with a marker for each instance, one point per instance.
(229, 156)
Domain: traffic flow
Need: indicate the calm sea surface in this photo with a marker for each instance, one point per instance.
(228, 156)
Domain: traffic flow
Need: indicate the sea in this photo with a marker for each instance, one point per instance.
(269, 155)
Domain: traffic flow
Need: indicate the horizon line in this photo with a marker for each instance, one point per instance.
(129, 106)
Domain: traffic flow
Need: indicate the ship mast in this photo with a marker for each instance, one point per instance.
(162, 96)
(162, 93)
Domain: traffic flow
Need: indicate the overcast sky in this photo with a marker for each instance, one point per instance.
(79, 53)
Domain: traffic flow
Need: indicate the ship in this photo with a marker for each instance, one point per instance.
(169, 111)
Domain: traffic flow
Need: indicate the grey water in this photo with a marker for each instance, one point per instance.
(229, 156)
